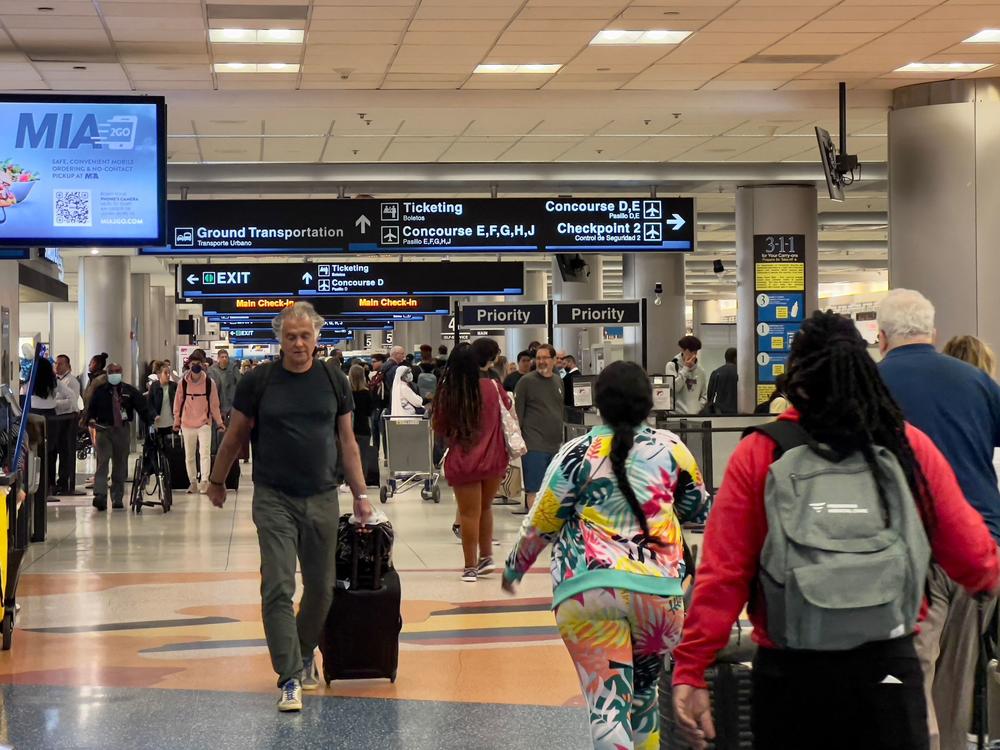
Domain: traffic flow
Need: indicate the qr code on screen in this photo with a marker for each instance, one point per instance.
(71, 208)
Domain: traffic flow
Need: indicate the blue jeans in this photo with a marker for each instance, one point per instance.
(533, 466)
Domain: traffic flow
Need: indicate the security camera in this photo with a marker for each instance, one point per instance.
(718, 268)
(658, 294)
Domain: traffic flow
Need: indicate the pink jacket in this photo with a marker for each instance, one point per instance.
(190, 398)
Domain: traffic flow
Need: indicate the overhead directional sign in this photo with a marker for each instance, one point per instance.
(331, 325)
(617, 313)
(348, 279)
(329, 306)
(374, 321)
(268, 333)
(429, 225)
(505, 315)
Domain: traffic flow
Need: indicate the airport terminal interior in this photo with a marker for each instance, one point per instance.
(605, 176)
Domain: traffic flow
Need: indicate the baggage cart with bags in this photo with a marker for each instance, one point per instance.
(361, 637)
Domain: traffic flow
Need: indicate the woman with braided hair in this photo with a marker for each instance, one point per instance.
(612, 502)
(870, 696)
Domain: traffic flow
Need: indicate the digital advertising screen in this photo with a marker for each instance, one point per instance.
(82, 170)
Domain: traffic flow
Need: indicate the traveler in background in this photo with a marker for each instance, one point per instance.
(363, 408)
(425, 374)
(533, 347)
(613, 504)
(162, 394)
(539, 401)
(112, 407)
(511, 369)
(246, 367)
(297, 411)
(226, 376)
(722, 387)
(560, 364)
(442, 360)
(376, 386)
(426, 363)
(196, 407)
(958, 407)
(65, 428)
(524, 361)
(96, 368)
(153, 375)
(777, 403)
(500, 368)
(43, 404)
(574, 414)
(397, 356)
(96, 376)
(405, 401)
(975, 351)
(870, 696)
(466, 415)
(690, 381)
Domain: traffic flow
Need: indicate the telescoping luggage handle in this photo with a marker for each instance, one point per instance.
(379, 558)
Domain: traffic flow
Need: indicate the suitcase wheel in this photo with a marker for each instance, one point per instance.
(383, 494)
(392, 677)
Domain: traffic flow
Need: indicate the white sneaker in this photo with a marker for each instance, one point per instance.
(291, 696)
(193, 489)
(310, 674)
(203, 488)
(470, 575)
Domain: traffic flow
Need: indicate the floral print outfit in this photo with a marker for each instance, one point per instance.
(616, 593)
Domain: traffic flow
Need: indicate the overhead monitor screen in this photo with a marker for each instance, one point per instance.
(82, 170)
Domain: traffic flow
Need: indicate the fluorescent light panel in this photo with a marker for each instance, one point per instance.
(943, 67)
(237, 67)
(986, 36)
(529, 68)
(256, 36)
(651, 36)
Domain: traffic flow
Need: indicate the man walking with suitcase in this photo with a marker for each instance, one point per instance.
(297, 413)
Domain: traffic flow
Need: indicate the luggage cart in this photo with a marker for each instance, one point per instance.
(410, 454)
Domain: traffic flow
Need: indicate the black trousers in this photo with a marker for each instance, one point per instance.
(871, 698)
(61, 437)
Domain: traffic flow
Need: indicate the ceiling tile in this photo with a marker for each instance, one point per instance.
(244, 149)
(153, 72)
(537, 149)
(298, 122)
(819, 44)
(527, 54)
(293, 149)
(397, 25)
(416, 149)
(342, 149)
(448, 25)
(662, 149)
(360, 11)
(352, 37)
(465, 10)
(59, 8)
(442, 123)
(151, 10)
(504, 122)
(476, 149)
(177, 53)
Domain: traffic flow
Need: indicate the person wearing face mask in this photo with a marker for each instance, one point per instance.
(196, 407)
(405, 401)
(111, 409)
(690, 381)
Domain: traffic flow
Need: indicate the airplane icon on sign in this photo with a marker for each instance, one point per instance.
(390, 235)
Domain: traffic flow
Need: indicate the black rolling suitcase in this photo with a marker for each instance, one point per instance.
(360, 640)
(730, 686)
(173, 449)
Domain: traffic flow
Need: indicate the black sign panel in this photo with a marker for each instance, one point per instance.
(348, 279)
(262, 338)
(260, 332)
(429, 225)
(259, 319)
(598, 313)
(506, 315)
(334, 325)
(329, 306)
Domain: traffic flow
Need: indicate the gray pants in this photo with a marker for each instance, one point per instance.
(948, 645)
(113, 447)
(289, 528)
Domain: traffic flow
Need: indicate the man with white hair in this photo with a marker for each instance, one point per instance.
(297, 413)
(958, 406)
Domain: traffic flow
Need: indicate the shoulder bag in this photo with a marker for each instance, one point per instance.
(511, 429)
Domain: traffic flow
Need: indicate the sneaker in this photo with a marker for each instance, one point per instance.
(470, 575)
(118, 504)
(456, 529)
(89, 483)
(310, 674)
(193, 489)
(101, 502)
(485, 566)
(203, 488)
(291, 696)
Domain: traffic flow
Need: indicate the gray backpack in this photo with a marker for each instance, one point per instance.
(839, 567)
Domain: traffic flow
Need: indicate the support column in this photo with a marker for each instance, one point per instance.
(944, 190)
(665, 323)
(771, 210)
(172, 339)
(705, 311)
(573, 340)
(143, 343)
(534, 291)
(106, 308)
(10, 324)
(156, 323)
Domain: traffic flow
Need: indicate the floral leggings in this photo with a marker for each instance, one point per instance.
(617, 640)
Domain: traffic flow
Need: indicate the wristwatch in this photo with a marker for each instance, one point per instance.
(217, 484)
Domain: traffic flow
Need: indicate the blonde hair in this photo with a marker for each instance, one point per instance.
(974, 351)
(357, 377)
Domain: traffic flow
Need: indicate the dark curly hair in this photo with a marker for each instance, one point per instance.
(844, 404)
(624, 397)
(458, 402)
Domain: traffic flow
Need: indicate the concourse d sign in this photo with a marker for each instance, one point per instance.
(617, 313)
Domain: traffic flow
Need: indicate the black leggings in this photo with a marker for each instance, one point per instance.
(871, 698)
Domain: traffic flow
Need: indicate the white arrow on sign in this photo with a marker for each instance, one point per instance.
(192, 279)
(363, 223)
(307, 277)
(677, 222)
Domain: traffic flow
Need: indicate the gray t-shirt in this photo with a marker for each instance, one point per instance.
(295, 437)
(539, 403)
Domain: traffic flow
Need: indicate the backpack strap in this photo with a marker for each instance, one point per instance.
(785, 433)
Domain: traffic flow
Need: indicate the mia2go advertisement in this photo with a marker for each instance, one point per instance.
(81, 171)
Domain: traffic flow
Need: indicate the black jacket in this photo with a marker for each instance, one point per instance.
(101, 404)
(155, 399)
(722, 389)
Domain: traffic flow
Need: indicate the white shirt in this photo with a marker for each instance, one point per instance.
(67, 394)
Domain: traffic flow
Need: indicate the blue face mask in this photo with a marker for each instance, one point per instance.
(115, 378)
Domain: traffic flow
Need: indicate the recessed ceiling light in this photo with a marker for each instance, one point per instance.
(238, 67)
(986, 36)
(535, 68)
(45, 9)
(649, 36)
(256, 36)
(79, 67)
(943, 67)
